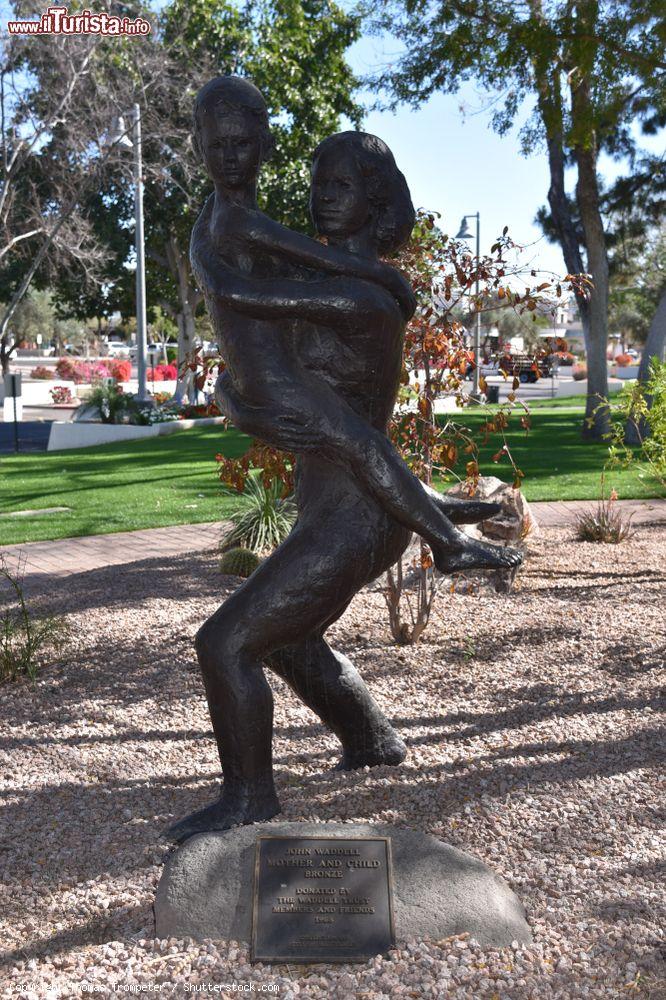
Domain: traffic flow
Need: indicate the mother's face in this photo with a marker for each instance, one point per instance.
(338, 201)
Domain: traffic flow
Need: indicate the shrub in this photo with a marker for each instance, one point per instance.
(239, 562)
(23, 639)
(110, 402)
(120, 370)
(41, 371)
(61, 394)
(172, 355)
(162, 373)
(605, 524)
(264, 519)
(65, 368)
(191, 412)
(638, 433)
(624, 360)
(580, 373)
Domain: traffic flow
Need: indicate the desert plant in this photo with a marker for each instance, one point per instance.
(606, 523)
(109, 401)
(641, 408)
(264, 519)
(23, 639)
(239, 562)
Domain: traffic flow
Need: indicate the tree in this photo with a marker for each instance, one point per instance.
(57, 97)
(294, 51)
(591, 69)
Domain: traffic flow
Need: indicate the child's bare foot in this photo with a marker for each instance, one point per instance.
(393, 751)
(228, 811)
(475, 555)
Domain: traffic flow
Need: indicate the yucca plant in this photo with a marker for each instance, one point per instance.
(605, 524)
(24, 639)
(264, 519)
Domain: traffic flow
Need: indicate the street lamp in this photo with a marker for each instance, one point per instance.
(119, 136)
(465, 234)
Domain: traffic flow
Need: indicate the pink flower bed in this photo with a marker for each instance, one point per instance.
(89, 371)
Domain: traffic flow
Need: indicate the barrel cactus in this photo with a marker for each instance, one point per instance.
(239, 562)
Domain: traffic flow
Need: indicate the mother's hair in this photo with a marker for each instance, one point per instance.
(386, 188)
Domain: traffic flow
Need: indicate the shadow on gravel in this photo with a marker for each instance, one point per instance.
(557, 704)
(475, 777)
(96, 931)
(178, 578)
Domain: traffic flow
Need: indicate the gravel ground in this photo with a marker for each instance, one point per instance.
(533, 728)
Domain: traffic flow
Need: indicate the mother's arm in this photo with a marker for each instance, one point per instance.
(336, 302)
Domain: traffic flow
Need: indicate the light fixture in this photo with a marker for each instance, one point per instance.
(465, 232)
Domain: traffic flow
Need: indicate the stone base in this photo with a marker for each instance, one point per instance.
(206, 887)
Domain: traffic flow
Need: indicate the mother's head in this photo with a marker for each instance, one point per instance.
(356, 185)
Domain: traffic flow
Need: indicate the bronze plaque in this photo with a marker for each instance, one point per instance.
(322, 899)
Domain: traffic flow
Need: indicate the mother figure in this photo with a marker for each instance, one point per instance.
(347, 334)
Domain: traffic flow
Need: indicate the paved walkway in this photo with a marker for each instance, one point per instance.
(78, 555)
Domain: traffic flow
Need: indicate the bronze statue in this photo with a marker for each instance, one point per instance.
(312, 337)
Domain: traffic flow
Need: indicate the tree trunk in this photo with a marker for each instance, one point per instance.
(188, 298)
(185, 387)
(596, 425)
(5, 355)
(654, 348)
(565, 226)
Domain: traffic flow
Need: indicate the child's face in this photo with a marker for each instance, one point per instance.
(231, 148)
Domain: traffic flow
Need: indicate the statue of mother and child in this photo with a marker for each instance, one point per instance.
(312, 337)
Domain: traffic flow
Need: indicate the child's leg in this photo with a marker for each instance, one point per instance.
(310, 416)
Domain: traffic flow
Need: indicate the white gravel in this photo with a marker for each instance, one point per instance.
(533, 726)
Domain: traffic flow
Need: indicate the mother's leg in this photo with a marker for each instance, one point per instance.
(329, 683)
(292, 594)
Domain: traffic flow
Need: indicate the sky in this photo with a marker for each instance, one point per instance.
(455, 164)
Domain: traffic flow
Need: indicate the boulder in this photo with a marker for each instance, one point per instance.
(514, 522)
(206, 888)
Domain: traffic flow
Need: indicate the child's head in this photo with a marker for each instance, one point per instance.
(231, 130)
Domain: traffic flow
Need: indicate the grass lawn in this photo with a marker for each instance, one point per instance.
(557, 464)
(172, 479)
(117, 487)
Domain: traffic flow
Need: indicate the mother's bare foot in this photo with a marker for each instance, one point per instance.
(391, 752)
(476, 555)
(228, 811)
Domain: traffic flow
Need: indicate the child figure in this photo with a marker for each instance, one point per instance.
(235, 251)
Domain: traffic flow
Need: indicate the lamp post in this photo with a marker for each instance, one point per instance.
(465, 234)
(119, 136)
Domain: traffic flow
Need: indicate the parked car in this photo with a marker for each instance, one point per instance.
(156, 349)
(117, 349)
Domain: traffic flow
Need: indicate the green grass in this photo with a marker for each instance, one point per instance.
(557, 463)
(117, 487)
(172, 479)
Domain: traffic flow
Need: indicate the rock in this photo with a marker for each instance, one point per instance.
(438, 891)
(514, 522)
